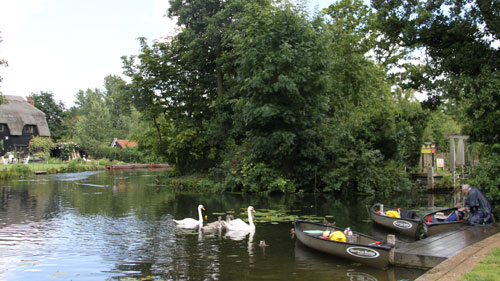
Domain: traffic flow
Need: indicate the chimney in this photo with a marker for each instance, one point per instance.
(30, 101)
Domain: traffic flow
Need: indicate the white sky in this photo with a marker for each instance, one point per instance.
(63, 46)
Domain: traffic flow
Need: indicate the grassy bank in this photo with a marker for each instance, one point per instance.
(192, 183)
(23, 170)
(487, 269)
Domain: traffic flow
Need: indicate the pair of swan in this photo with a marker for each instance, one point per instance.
(230, 225)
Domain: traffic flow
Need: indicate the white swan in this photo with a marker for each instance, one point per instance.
(239, 224)
(191, 223)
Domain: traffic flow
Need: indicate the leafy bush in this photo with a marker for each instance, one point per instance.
(41, 146)
(98, 151)
(22, 170)
(16, 170)
(485, 175)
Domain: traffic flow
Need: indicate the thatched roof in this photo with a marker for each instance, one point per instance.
(17, 112)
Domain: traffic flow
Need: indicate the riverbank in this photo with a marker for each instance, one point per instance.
(11, 171)
(464, 262)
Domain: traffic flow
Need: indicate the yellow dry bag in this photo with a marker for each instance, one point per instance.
(338, 236)
(393, 214)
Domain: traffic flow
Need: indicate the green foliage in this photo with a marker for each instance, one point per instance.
(186, 149)
(21, 170)
(98, 150)
(439, 125)
(270, 100)
(171, 105)
(15, 171)
(446, 180)
(54, 113)
(96, 124)
(41, 147)
(461, 61)
(485, 175)
(67, 150)
(258, 178)
(483, 107)
(371, 135)
(277, 91)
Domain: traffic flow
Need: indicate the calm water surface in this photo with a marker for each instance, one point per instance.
(118, 226)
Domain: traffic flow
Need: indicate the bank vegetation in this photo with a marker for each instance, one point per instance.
(265, 96)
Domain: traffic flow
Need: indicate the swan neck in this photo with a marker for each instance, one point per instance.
(200, 217)
(250, 218)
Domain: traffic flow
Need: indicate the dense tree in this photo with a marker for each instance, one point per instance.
(372, 134)
(486, 176)
(461, 59)
(204, 23)
(54, 113)
(460, 71)
(276, 90)
(117, 98)
(162, 93)
(272, 100)
(94, 123)
(117, 95)
(175, 83)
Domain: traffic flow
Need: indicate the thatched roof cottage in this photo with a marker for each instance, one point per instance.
(20, 121)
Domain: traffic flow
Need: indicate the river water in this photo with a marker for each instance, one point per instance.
(119, 226)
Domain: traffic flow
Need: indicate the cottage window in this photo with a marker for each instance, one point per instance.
(29, 129)
(1, 128)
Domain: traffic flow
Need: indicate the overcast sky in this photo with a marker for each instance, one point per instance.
(63, 46)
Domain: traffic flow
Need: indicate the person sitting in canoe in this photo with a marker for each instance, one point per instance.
(441, 217)
(477, 205)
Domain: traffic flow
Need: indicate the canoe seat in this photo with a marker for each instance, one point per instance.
(408, 214)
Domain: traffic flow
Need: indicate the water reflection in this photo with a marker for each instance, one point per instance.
(111, 225)
(238, 235)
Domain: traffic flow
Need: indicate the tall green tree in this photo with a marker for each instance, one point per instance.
(372, 134)
(458, 41)
(117, 95)
(159, 91)
(94, 123)
(54, 113)
(277, 92)
(117, 98)
(204, 24)
(176, 82)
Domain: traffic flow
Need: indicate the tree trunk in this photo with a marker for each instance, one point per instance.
(157, 130)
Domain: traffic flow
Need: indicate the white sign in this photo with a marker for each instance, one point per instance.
(362, 252)
(402, 224)
(440, 162)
